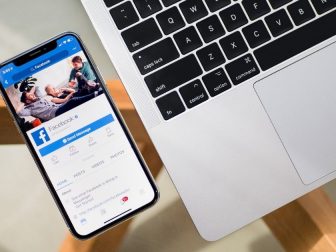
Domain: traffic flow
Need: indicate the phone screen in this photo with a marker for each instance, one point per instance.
(69, 122)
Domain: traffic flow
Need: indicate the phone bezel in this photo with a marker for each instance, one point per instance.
(43, 172)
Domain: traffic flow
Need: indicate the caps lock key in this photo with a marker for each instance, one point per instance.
(156, 56)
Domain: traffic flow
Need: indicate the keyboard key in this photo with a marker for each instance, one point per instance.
(173, 75)
(215, 5)
(233, 45)
(216, 82)
(210, 56)
(170, 20)
(193, 94)
(322, 6)
(148, 7)
(110, 3)
(278, 3)
(193, 10)
(256, 34)
(124, 15)
(187, 40)
(170, 105)
(210, 28)
(242, 69)
(256, 8)
(156, 56)
(296, 42)
(169, 2)
(233, 17)
(301, 12)
(141, 35)
(279, 23)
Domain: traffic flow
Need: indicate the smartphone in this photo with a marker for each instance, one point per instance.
(76, 135)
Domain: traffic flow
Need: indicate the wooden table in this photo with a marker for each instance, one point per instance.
(306, 224)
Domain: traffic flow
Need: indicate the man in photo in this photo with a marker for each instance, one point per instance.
(59, 95)
(43, 108)
(83, 75)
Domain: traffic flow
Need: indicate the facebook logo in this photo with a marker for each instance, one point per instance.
(40, 136)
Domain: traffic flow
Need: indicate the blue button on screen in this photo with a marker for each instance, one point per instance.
(76, 135)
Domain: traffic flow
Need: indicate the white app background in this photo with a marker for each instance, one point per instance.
(97, 177)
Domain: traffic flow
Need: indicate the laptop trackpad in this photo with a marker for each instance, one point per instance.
(301, 103)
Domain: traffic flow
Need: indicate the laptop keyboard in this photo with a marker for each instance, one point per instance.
(189, 51)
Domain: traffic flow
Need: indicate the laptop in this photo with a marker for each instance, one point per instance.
(239, 97)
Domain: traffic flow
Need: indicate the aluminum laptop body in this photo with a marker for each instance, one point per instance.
(238, 141)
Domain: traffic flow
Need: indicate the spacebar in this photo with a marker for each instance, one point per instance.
(296, 41)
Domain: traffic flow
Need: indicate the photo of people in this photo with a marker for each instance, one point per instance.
(54, 91)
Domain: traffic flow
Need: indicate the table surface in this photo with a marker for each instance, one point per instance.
(23, 30)
(315, 214)
(38, 20)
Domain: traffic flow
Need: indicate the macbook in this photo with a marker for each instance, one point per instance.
(238, 97)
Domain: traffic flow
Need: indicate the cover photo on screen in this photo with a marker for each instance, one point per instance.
(53, 91)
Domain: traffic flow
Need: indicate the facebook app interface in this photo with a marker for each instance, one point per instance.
(61, 105)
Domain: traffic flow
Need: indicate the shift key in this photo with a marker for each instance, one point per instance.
(173, 75)
(156, 56)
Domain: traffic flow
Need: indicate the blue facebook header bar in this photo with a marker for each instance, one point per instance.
(76, 135)
(66, 46)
